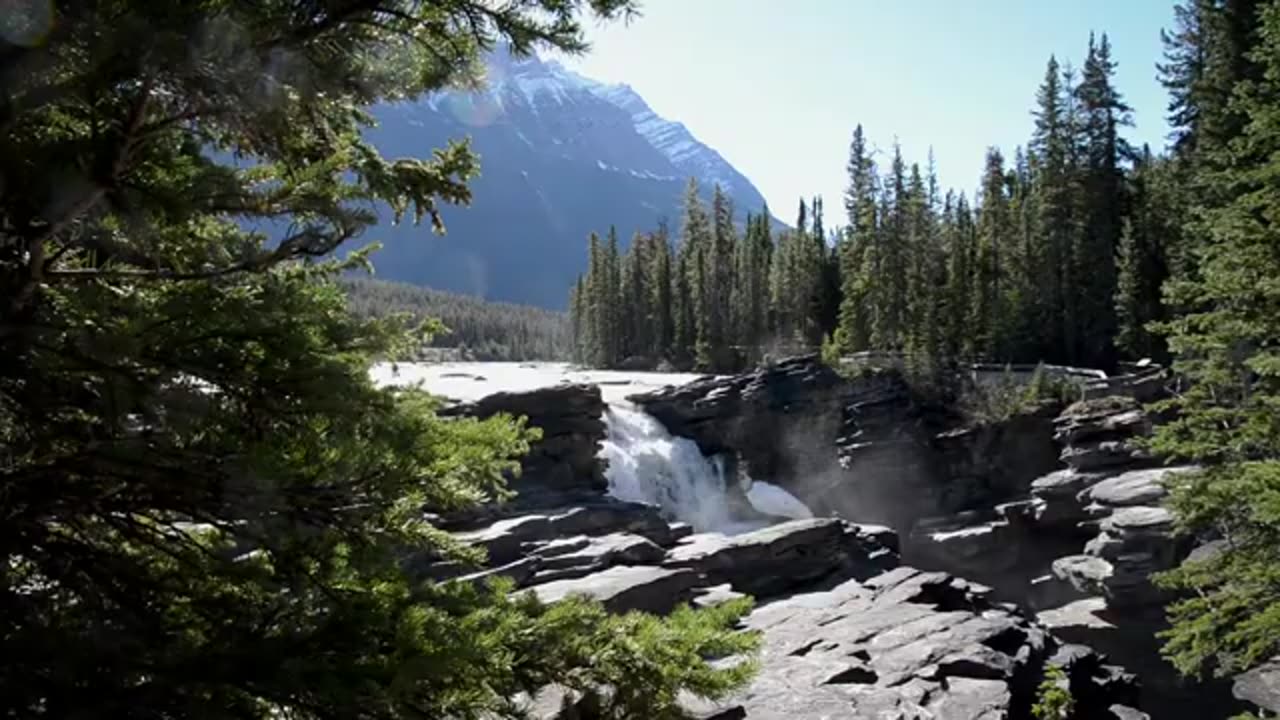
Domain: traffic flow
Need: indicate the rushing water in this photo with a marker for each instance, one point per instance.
(646, 463)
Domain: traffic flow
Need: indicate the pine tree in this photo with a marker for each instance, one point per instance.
(750, 290)
(211, 508)
(826, 296)
(894, 268)
(615, 335)
(579, 318)
(690, 286)
(715, 331)
(1149, 229)
(1228, 616)
(859, 251)
(1054, 201)
(597, 310)
(793, 276)
(637, 313)
(1103, 201)
(990, 314)
(663, 290)
(962, 251)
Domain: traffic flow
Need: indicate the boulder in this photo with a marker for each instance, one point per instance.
(1097, 434)
(509, 538)
(571, 420)
(1057, 502)
(1136, 487)
(1108, 418)
(1260, 687)
(1134, 543)
(797, 401)
(576, 557)
(783, 557)
(624, 588)
(1102, 456)
(1086, 573)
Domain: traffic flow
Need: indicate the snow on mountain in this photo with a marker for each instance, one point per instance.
(561, 156)
(548, 82)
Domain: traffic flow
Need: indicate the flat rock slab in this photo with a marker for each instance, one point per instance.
(624, 588)
(611, 549)
(776, 559)
(906, 644)
(1138, 519)
(1136, 487)
(1063, 483)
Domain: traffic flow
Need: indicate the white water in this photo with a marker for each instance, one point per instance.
(646, 463)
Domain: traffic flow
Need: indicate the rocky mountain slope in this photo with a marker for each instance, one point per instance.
(561, 156)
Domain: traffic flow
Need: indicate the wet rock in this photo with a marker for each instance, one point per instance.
(1101, 456)
(1108, 418)
(1097, 434)
(1124, 712)
(795, 400)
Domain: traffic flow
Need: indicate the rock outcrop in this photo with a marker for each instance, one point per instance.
(858, 447)
(846, 631)
(796, 404)
(1260, 687)
(565, 458)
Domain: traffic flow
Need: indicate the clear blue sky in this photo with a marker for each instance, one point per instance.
(777, 85)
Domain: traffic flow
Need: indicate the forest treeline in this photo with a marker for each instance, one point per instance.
(1059, 257)
(478, 329)
(1080, 250)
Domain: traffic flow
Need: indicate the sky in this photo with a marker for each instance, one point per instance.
(777, 86)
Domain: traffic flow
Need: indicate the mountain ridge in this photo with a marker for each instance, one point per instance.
(561, 155)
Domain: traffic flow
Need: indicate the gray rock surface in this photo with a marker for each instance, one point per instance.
(1260, 687)
(624, 588)
(1137, 487)
(779, 558)
(905, 644)
(570, 417)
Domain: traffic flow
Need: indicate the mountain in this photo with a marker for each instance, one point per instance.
(561, 156)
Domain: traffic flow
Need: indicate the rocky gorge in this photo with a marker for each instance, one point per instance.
(945, 567)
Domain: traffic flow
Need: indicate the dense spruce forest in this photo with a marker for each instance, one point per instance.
(476, 328)
(1079, 250)
(1059, 257)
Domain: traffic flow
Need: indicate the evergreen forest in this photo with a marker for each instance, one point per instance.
(1060, 256)
(1076, 249)
(208, 503)
(475, 329)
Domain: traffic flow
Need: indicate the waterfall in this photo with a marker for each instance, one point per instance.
(648, 465)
